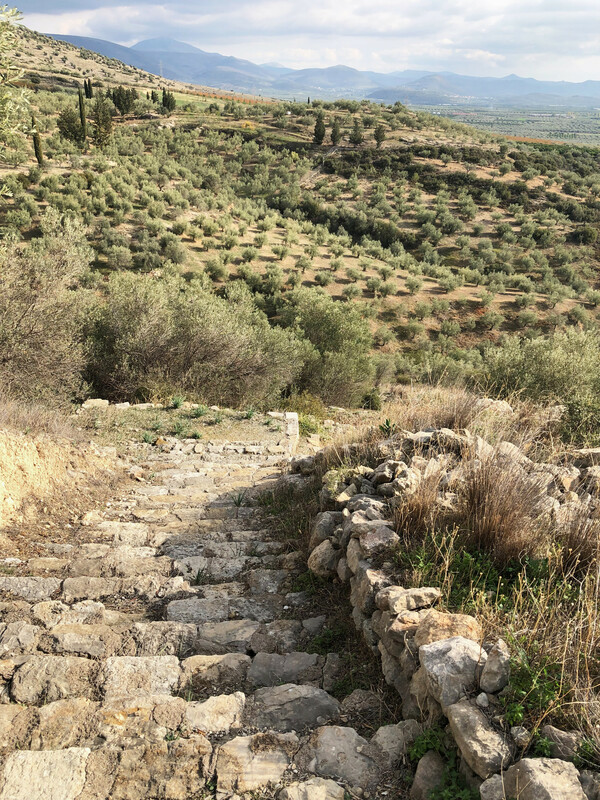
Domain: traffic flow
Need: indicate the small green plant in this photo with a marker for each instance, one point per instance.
(431, 739)
(199, 412)
(195, 435)
(178, 428)
(148, 437)
(249, 413)
(541, 746)
(308, 424)
(388, 428)
(177, 401)
(238, 498)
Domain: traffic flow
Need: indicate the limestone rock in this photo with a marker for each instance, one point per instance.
(313, 789)
(248, 763)
(496, 671)
(32, 589)
(484, 750)
(428, 776)
(394, 740)
(65, 723)
(492, 789)
(564, 744)
(341, 753)
(48, 678)
(436, 625)
(292, 707)
(543, 779)
(271, 669)
(451, 667)
(218, 714)
(323, 527)
(412, 599)
(324, 559)
(45, 774)
(132, 676)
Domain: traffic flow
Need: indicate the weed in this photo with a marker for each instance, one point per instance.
(200, 411)
(249, 413)
(308, 424)
(238, 498)
(388, 428)
(177, 401)
(148, 437)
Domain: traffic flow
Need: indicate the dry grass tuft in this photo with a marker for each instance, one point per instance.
(499, 508)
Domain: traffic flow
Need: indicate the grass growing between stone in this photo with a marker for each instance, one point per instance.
(531, 582)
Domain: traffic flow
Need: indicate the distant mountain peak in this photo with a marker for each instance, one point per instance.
(163, 44)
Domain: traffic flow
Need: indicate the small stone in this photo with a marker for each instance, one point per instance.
(337, 752)
(428, 776)
(394, 740)
(313, 789)
(520, 735)
(496, 671)
(482, 700)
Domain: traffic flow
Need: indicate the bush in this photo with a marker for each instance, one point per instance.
(40, 348)
(158, 338)
(562, 368)
(340, 370)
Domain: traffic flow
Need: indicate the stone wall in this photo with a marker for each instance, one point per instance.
(440, 663)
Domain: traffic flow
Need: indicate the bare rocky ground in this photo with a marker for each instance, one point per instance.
(163, 654)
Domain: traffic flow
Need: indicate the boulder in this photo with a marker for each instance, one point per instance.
(323, 527)
(484, 749)
(394, 740)
(126, 676)
(451, 667)
(48, 678)
(563, 744)
(543, 779)
(412, 599)
(492, 789)
(271, 669)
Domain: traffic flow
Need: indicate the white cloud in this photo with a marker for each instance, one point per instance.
(542, 38)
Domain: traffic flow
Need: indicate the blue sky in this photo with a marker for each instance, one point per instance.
(544, 39)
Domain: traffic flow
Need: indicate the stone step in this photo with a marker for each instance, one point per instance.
(215, 570)
(198, 610)
(83, 721)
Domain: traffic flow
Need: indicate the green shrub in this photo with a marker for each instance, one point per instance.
(161, 337)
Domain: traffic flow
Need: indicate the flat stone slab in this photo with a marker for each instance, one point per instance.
(130, 676)
(45, 775)
(32, 589)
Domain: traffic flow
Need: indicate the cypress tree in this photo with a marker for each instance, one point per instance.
(336, 132)
(37, 143)
(319, 134)
(82, 116)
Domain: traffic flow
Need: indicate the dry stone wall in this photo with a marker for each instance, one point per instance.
(440, 663)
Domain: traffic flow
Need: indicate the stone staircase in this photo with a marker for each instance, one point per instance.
(163, 654)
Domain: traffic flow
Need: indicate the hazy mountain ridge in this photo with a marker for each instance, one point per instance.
(184, 62)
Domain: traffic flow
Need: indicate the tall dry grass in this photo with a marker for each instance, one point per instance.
(32, 418)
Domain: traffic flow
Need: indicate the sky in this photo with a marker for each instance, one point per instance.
(544, 39)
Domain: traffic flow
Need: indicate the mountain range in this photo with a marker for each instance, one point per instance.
(184, 62)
